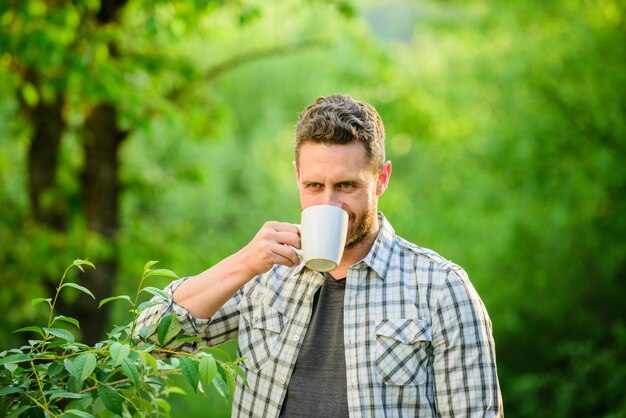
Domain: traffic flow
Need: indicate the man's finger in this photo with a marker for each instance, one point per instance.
(286, 256)
(288, 238)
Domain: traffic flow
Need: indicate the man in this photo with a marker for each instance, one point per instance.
(395, 331)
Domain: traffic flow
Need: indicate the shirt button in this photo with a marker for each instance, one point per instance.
(296, 338)
(283, 382)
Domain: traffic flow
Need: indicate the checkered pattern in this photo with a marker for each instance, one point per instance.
(418, 339)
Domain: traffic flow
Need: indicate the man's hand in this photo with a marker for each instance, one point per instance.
(202, 295)
(273, 244)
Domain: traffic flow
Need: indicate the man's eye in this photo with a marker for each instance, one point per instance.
(346, 185)
(313, 186)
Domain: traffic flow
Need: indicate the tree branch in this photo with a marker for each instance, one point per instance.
(242, 59)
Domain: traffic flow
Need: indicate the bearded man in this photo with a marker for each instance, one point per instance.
(394, 331)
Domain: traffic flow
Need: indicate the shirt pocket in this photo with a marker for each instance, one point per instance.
(260, 329)
(402, 351)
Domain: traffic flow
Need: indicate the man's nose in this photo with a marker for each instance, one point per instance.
(331, 198)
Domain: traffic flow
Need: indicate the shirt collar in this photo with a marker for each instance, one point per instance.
(379, 256)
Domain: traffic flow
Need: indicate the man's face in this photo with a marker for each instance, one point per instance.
(340, 175)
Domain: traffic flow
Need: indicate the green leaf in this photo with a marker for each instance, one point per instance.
(145, 408)
(90, 363)
(168, 328)
(32, 328)
(146, 332)
(146, 347)
(54, 369)
(56, 344)
(120, 328)
(11, 367)
(65, 395)
(82, 367)
(149, 265)
(76, 413)
(119, 352)
(81, 346)
(80, 263)
(39, 300)
(229, 376)
(9, 390)
(175, 389)
(61, 333)
(14, 358)
(190, 371)
(147, 304)
(164, 406)
(155, 291)
(19, 411)
(187, 338)
(121, 297)
(208, 370)
(218, 353)
(73, 384)
(148, 360)
(240, 373)
(221, 386)
(66, 319)
(78, 287)
(163, 273)
(130, 370)
(111, 399)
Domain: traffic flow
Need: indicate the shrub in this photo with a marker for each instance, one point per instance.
(57, 376)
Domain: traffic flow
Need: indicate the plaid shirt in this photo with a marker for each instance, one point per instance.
(418, 339)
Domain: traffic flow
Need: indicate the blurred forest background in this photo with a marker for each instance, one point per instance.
(144, 130)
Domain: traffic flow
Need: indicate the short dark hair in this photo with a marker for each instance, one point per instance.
(341, 119)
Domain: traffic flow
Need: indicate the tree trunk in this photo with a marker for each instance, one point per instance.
(100, 187)
(48, 205)
(43, 160)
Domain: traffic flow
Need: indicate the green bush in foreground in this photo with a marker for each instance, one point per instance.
(57, 376)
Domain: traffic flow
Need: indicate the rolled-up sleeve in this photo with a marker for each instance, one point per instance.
(221, 327)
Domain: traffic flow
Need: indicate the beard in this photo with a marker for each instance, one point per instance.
(361, 229)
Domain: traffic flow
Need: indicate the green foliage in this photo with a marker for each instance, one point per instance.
(57, 376)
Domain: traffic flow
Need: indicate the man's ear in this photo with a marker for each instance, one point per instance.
(383, 178)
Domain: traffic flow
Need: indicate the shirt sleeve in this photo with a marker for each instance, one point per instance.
(466, 381)
(221, 327)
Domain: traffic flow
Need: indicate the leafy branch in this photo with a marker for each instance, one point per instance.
(57, 376)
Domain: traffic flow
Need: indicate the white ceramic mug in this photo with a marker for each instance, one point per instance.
(323, 231)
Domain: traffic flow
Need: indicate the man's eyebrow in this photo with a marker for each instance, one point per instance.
(355, 180)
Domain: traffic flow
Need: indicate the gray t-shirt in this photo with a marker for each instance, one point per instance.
(318, 384)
